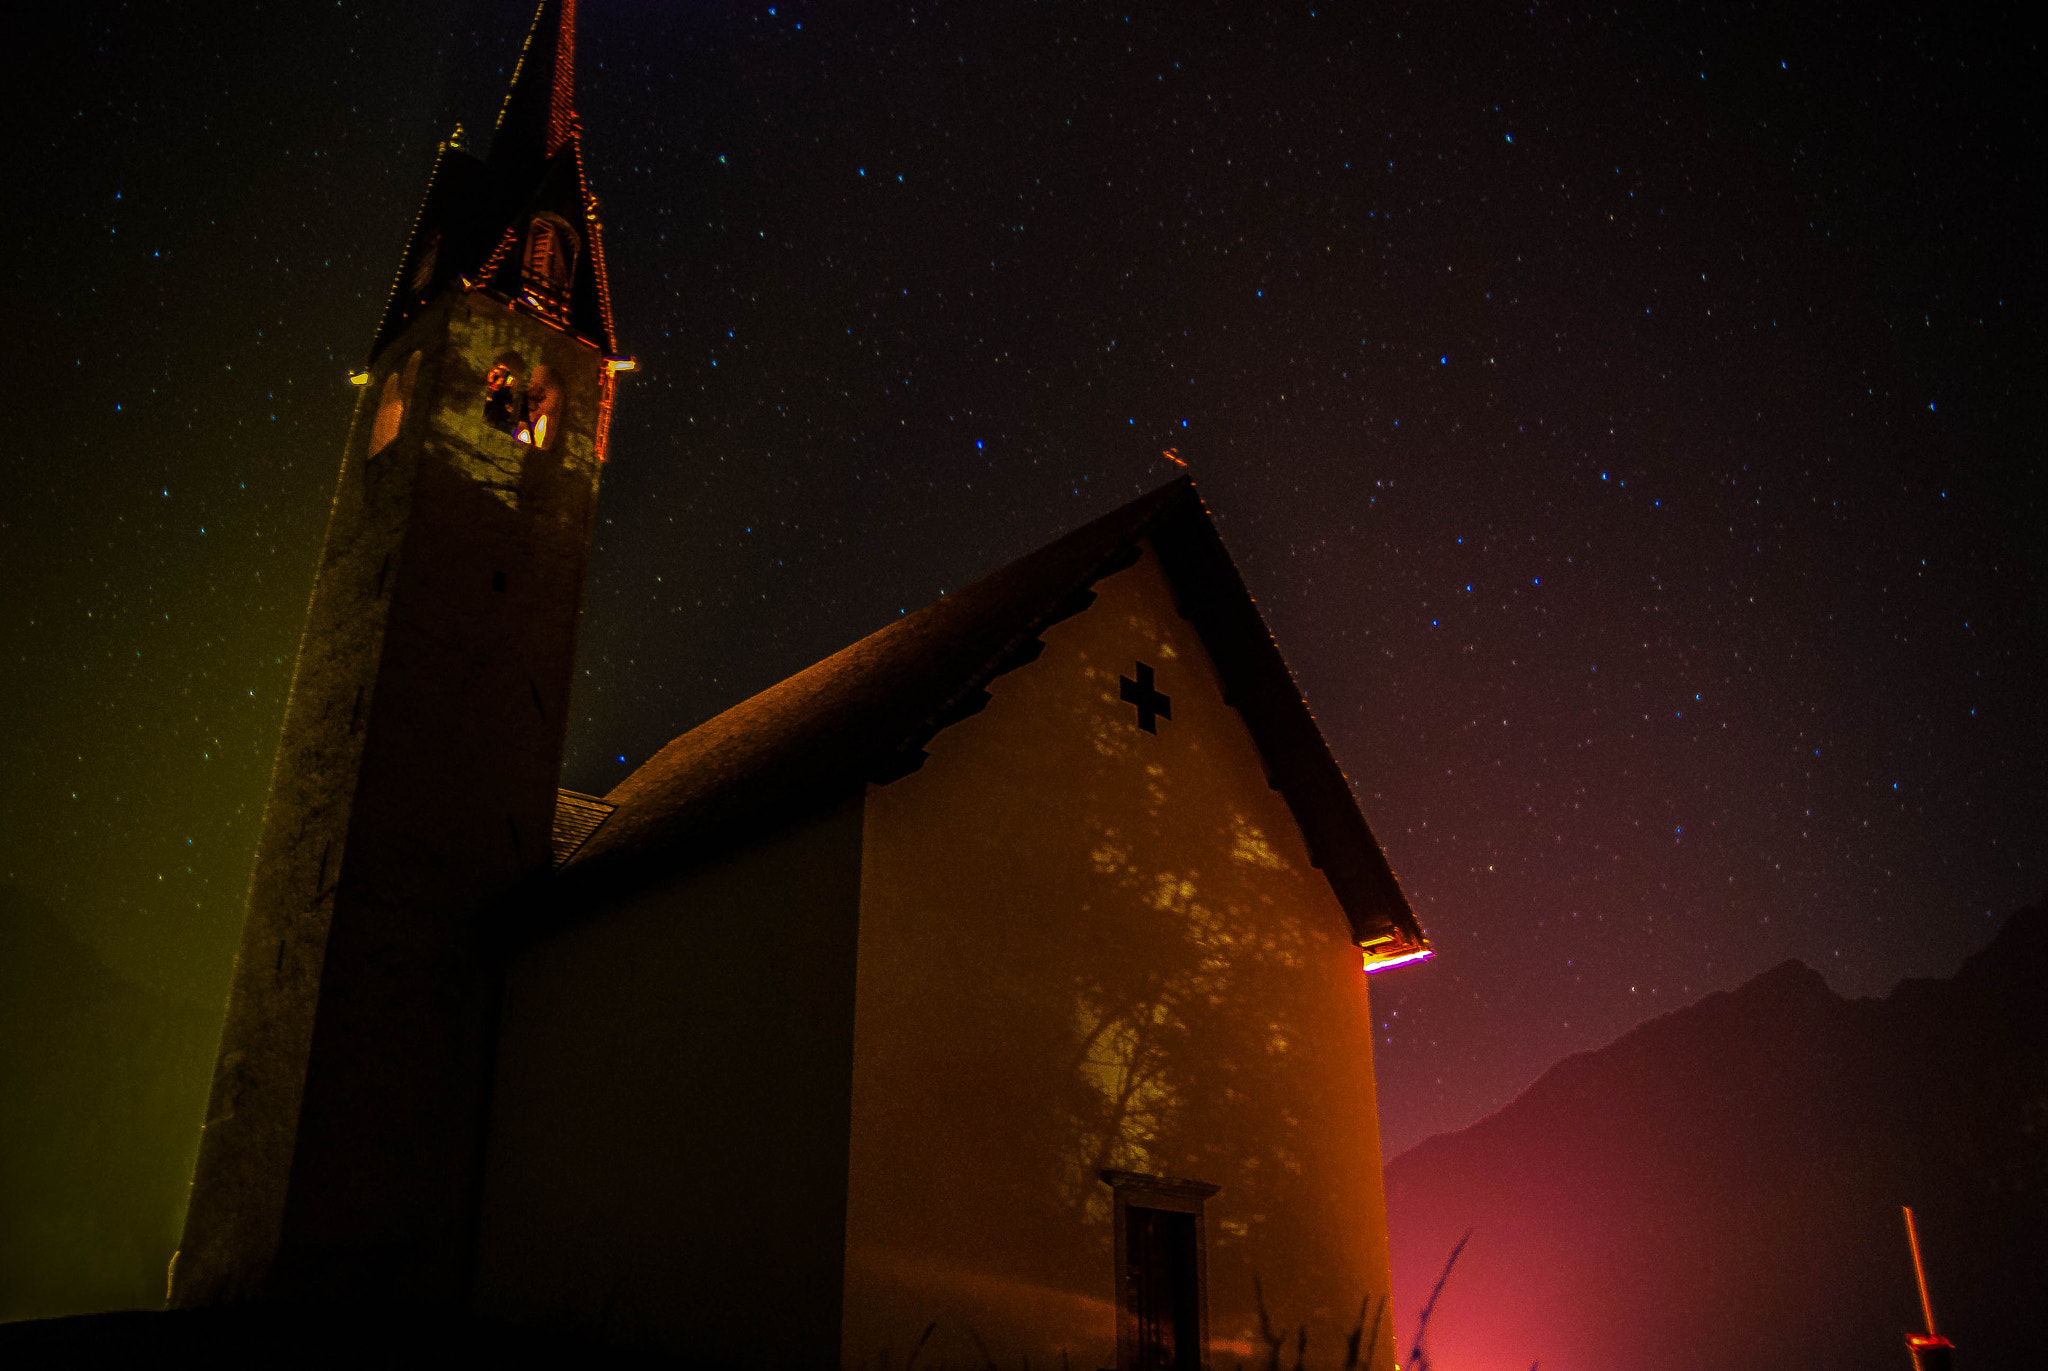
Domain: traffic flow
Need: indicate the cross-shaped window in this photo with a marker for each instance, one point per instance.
(1152, 706)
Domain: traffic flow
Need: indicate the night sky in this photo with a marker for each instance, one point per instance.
(1622, 415)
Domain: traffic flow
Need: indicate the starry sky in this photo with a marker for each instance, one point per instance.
(1621, 414)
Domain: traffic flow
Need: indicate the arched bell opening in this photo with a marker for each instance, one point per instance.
(543, 408)
(505, 393)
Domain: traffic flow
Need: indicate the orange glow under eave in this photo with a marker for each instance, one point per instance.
(1374, 965)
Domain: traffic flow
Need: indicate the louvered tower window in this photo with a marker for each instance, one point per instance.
(549, 265)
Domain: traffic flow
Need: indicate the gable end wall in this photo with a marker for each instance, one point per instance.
(1086, 946)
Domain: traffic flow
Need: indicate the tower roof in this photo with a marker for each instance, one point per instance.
(476, 213)
(539, 114)
(865, 714)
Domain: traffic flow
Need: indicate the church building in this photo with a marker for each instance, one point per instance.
(992, 992)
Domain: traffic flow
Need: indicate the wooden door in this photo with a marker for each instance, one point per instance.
(1163, 1295)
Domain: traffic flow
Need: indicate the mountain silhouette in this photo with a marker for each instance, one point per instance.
(1721, 1186)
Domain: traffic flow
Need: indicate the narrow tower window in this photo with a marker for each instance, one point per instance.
(423, 273)
(391, 403)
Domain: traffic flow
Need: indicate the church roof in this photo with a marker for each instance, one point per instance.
(864, 714)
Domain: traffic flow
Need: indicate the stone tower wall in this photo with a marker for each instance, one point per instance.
(412, 793)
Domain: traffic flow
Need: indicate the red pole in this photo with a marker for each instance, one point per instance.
(1919, 1271)
(1931, 1351)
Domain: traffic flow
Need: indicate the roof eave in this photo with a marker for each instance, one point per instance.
(1256, 682)
(1210, 595)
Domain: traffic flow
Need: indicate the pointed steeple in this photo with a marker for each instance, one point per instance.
(539, 114)
(476, 229)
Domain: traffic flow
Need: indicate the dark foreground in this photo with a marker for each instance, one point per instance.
(291, 1338)
(1720, 1189)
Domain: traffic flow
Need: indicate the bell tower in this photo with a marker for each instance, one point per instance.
(415, 782)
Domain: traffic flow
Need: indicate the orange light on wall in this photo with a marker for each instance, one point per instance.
(1930, 1353)
(607, 389)
(1392, 950)
(543, 406)
(1376, 964)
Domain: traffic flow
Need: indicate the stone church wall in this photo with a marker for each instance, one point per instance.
(667, 1160)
